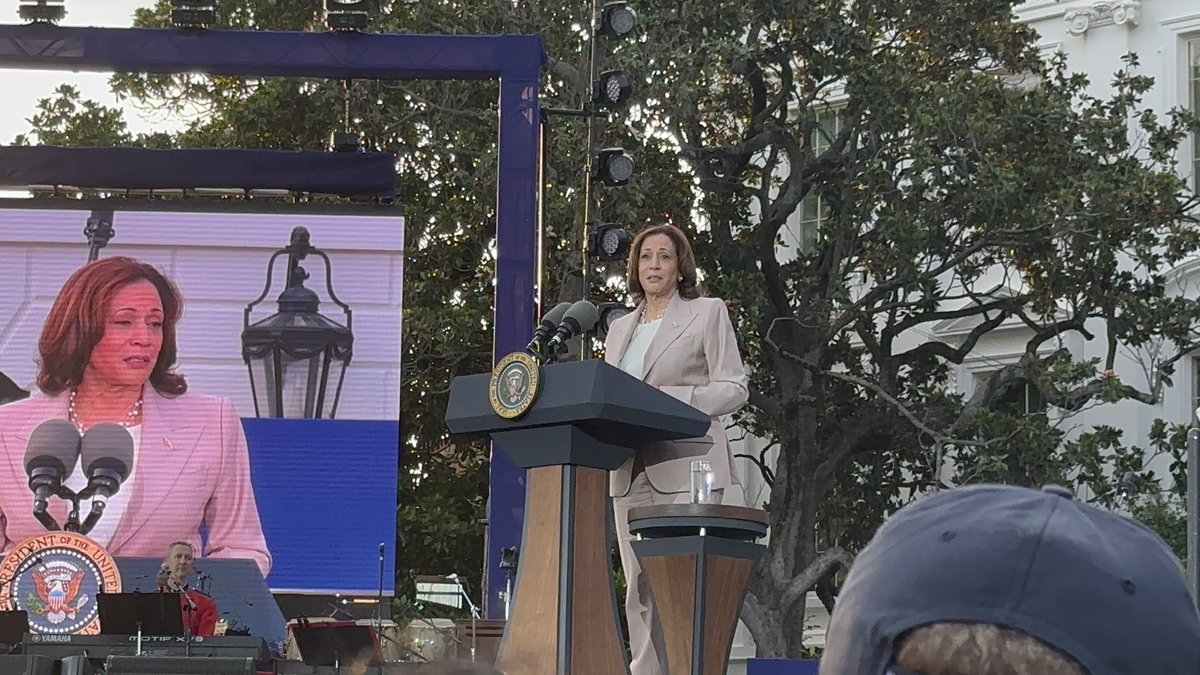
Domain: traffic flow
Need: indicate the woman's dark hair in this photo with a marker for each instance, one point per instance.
(689, 287)
(77, 320)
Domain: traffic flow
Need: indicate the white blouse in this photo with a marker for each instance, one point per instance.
(115, 509)
(634, 358)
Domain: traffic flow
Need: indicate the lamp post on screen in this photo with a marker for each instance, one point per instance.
(290, 354)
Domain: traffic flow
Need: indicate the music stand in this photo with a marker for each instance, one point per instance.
(337, 642)
(13, 627)
(140, 614)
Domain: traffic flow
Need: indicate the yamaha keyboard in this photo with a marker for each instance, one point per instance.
(103, 646)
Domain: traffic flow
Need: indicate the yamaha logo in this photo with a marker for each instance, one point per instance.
(514, 385)
(55, 578)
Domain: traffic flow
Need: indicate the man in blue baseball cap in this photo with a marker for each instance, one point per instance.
(991, 580)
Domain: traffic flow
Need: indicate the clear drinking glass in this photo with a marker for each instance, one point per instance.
(702, 481)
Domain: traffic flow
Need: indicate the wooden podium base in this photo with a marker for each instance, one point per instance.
(698, 558)
(564, 616)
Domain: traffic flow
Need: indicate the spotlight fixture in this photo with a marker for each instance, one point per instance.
(608, 242)
(42, 11)
(611, 89)
(612, 167)
(347, 15)
(193, 13)
(617, 20)
(345, 141)
(609, 312)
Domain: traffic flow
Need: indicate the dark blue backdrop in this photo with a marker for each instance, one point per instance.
(326, 492)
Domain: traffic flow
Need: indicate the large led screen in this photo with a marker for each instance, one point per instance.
(311, 501)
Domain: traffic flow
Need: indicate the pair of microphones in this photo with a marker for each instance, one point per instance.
(559, 325)
(105, 452)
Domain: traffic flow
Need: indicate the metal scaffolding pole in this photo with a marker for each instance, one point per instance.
(1193, 513)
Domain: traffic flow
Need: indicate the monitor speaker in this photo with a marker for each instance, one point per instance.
(77, 665)
(179, 665)
(36, 664)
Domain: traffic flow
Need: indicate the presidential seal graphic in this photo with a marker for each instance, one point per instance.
(55, 578)
(514, 385)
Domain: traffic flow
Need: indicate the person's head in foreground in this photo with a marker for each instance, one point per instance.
(992, 580)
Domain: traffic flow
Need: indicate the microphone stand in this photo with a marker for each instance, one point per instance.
(474, 614)
(99, 230)
(205, 577)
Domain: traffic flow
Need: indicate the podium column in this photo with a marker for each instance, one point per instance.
(698, 559)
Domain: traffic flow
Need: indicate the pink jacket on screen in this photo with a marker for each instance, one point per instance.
(192, 468)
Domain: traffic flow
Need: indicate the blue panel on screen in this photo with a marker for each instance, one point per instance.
(326, 492)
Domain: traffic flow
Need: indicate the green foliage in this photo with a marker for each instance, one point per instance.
(962, 181)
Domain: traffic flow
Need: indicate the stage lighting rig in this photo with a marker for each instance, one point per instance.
(42, 11)
(347, 15)
(611, 89)
(612, 167)
(608, 242)
(193, 13)
(617, 20)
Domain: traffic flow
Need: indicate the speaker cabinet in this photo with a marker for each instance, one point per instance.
(179, 665)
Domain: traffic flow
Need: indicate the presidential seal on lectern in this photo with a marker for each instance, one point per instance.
(55, 578)
(514, 385)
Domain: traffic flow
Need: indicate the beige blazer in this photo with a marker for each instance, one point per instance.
(693, 357)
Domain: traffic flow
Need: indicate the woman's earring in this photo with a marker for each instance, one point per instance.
(681, 278)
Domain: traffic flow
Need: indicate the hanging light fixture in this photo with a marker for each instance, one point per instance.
(292, 354)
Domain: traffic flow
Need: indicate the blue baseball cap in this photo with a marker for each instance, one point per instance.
(1100, 588)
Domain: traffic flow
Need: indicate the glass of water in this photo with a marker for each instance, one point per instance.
(702, 481)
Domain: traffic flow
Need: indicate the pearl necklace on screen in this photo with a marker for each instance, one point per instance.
(131, 418)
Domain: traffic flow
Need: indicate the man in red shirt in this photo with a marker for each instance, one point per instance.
(199, 610)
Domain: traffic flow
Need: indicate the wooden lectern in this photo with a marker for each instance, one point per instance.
(698, 558)
(588, 420)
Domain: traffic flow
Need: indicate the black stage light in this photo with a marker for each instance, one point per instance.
(42, 11)
(193, 13)
(611, 89)
(612, 167)
(617, 20)
(608, 242)
(609, 312)
(347, 15)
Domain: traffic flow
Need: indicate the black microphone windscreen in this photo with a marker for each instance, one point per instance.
(555, 316)
(585, 314)
(109, 446)
(55, 442)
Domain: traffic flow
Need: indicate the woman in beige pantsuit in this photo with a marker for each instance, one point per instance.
(684, 345)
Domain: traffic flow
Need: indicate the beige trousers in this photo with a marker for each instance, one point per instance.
(648, 655)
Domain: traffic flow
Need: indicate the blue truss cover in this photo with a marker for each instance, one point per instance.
(345, 174)
(330, 55)
(517, 60)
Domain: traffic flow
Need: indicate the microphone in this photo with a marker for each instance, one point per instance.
(107, 451)
(164, 575)
(549, 322)
(579, 319)
(52, 450)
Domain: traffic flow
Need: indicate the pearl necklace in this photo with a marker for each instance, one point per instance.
(645, 320)
(131, 418)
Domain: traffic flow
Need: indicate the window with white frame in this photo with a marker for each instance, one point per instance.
(813, 209)
(1194, 98)
(1019, 396)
